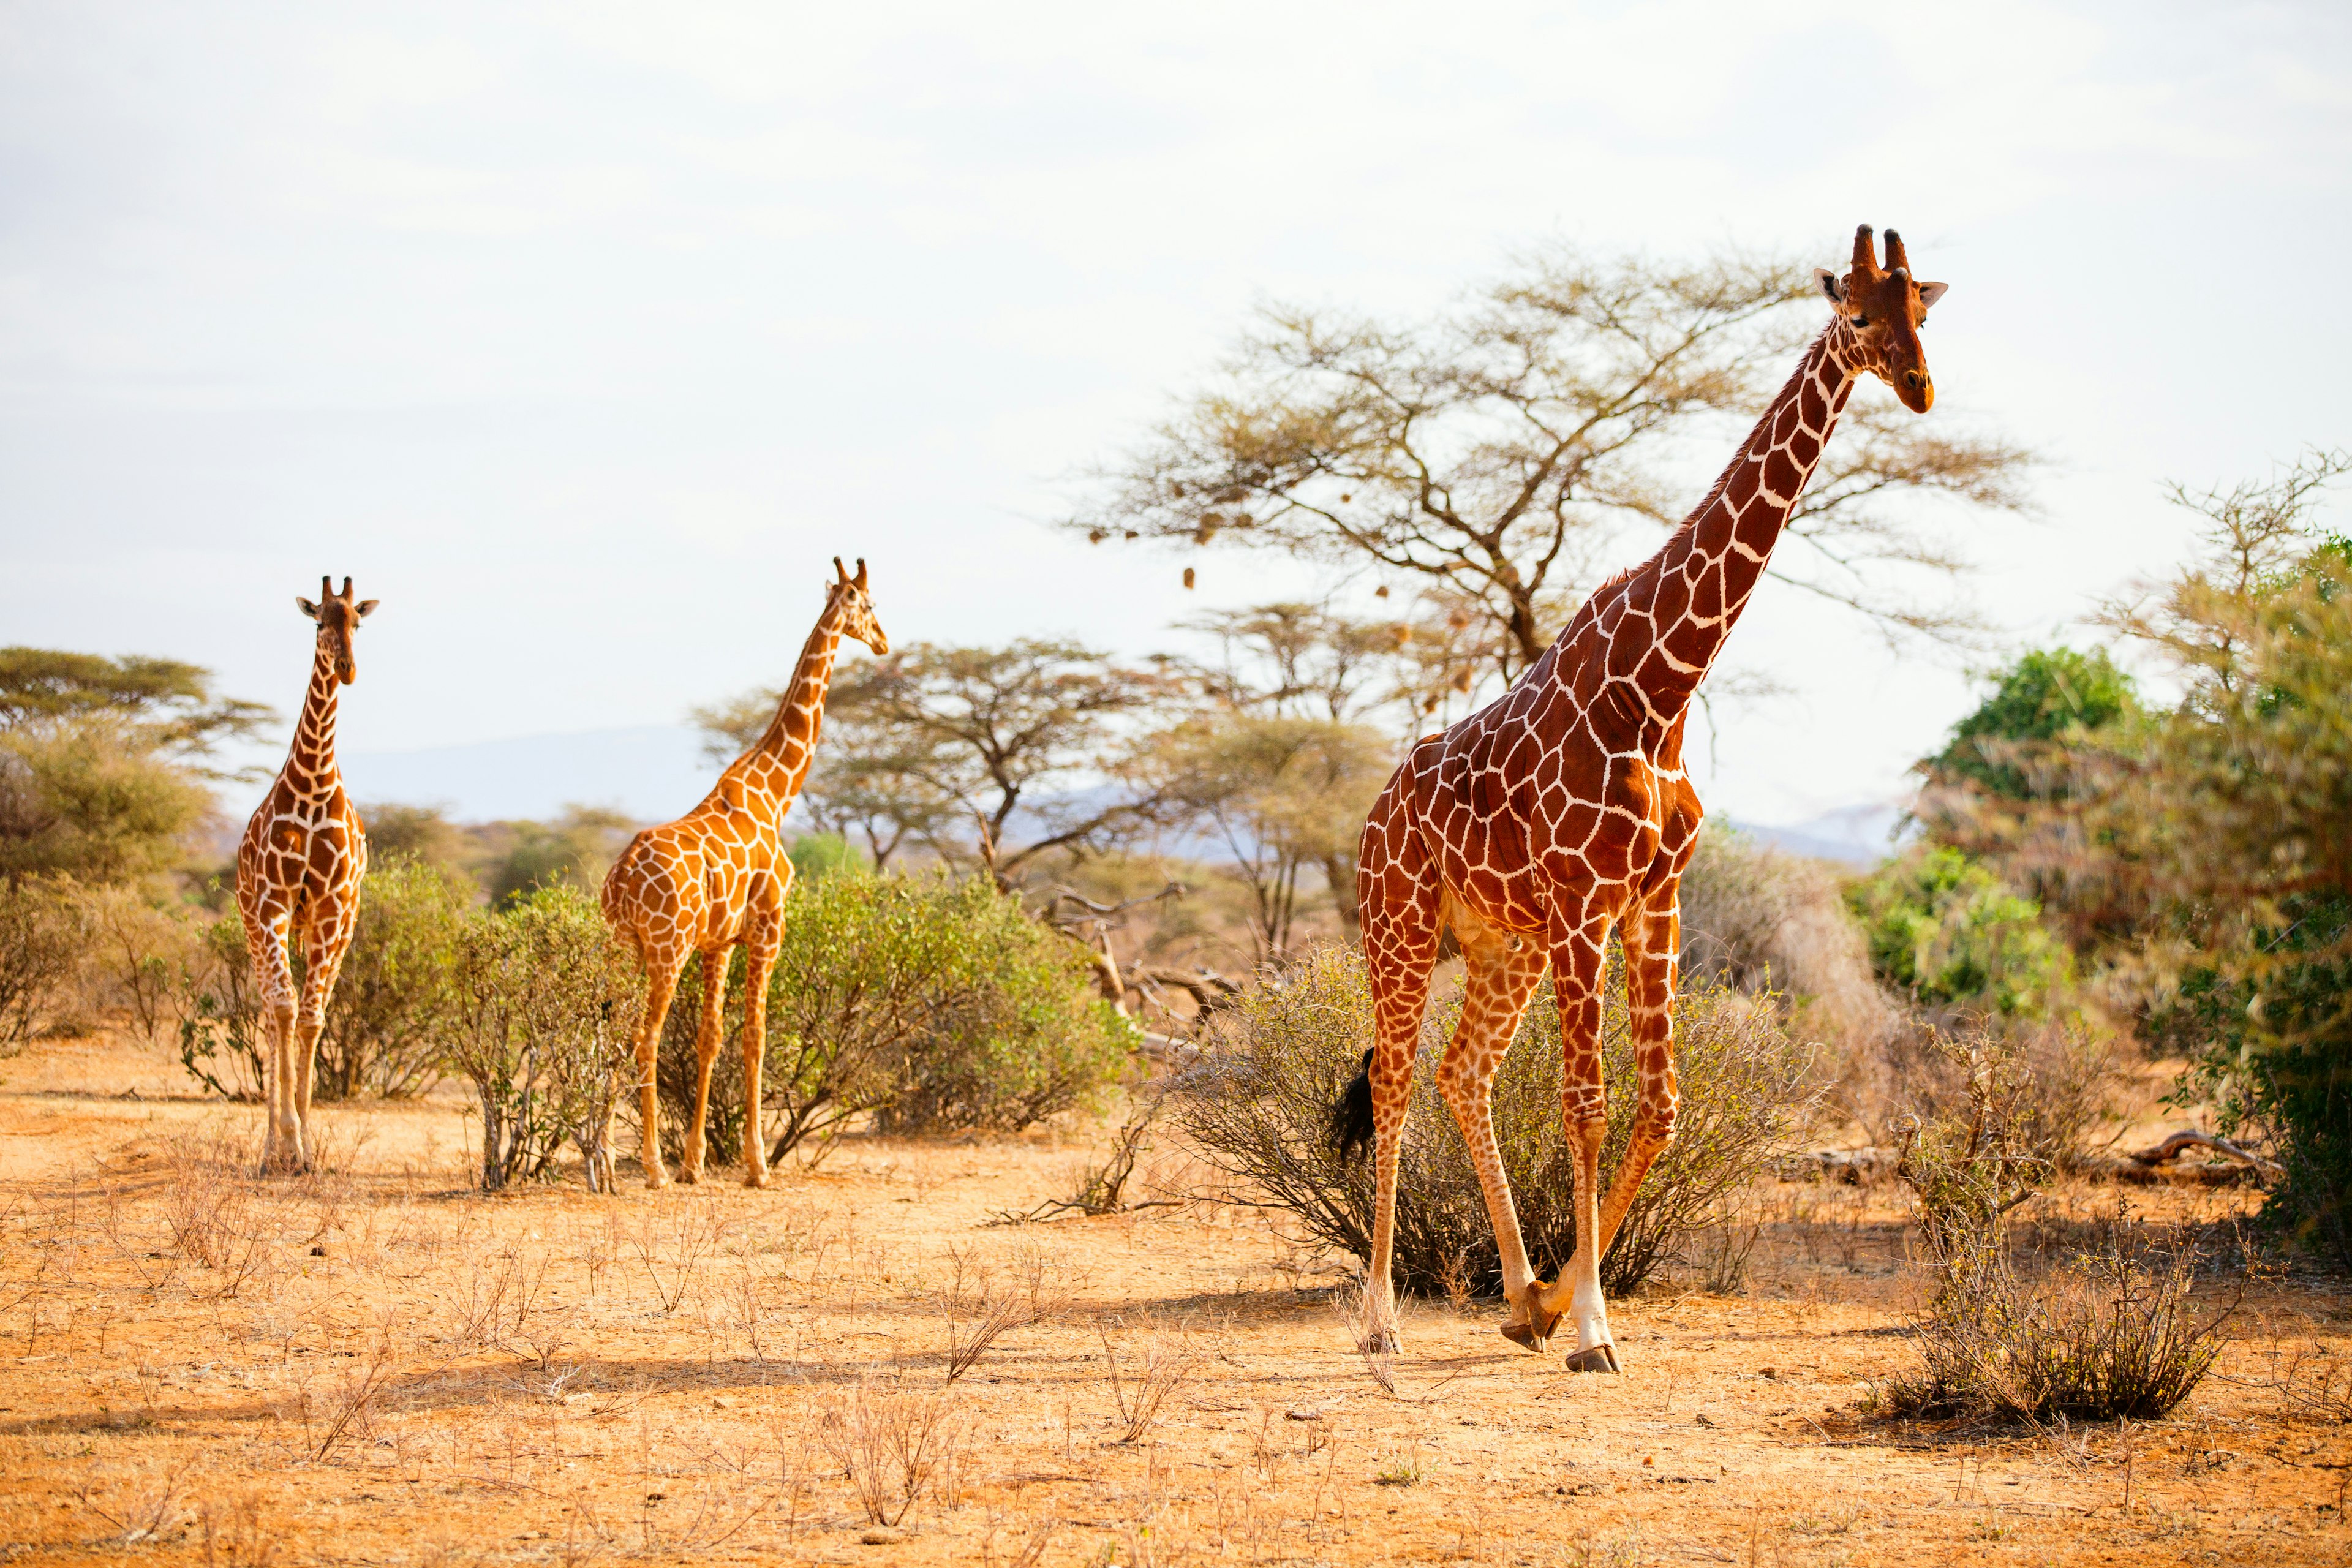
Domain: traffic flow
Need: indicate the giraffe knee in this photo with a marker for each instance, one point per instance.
(1654, 1122)
(1584, 1105)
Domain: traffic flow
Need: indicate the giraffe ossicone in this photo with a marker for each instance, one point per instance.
(298, 879)
(1562, 811)
(716, 879)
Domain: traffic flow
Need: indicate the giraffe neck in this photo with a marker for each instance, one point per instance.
(778, 765)
(311, 760)
(1685, 600)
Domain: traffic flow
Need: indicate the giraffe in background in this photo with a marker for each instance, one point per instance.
(1562, 809)
(298, 879)
(717, 877)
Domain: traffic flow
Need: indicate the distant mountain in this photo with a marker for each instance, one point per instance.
(1851, 835)
(651, 772)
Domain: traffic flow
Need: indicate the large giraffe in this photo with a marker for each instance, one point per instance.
(1561, 809)
(298, 878)
(717, 877)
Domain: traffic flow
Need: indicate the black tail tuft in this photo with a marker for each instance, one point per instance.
(1351, 1117)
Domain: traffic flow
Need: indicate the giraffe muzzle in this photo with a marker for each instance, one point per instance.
(1917, 390)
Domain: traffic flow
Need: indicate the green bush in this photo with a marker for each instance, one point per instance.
(543, 1007)
(1945, 932)
(1258, 1102)
(383, 1025)
(933, 1003)
(815, 855)
(43, 928)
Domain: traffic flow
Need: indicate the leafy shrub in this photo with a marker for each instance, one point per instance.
(544, 1004)
(139, 953)
(1258, 1103)
(381, 1032)
(43, 928)
(223, 1037)
(815, 855)
(933, 1004)
(1945, 932)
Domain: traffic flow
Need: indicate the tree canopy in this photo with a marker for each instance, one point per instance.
(1502, 450)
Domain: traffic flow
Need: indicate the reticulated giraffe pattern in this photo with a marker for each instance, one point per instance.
(717, 877)
(1561, 811)
(298, 882)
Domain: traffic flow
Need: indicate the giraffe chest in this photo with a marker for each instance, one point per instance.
(1556, 800)
(309, 846)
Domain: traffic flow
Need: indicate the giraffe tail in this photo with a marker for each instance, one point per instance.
(1351, 1117)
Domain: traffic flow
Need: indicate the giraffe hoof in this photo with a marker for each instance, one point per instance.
(1602, 1357)
(689, 1178)
(1524, 1336)
(755, 1179)
(1380, 1341)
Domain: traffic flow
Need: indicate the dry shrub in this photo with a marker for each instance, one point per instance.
(139, 956)
(890, 1442)
(210, 1208)
(1762, 920)
(2055, 1081)
(2112, 1333)
(236, 1531)
(1258, 1102)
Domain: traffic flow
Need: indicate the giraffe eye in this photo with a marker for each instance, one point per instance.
(1860, 321)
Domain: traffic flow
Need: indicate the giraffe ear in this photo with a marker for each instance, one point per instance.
(1931, 292)
(306, 606)
(365, 607)
(1830, 286)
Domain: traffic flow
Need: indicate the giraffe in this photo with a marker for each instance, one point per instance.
(298, 878)
(1562, 808)
(717, 877)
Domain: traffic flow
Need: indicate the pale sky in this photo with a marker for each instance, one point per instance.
(581, 335)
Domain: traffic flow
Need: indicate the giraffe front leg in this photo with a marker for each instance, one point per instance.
(661, 985)
(273, 982)
(326, 940)
(706, 1052)
(1577, 972)
(1652, 939)
(761, 958)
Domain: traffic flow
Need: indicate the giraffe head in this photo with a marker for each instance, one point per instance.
(846, 598)
(338, 619)
(1886, 307)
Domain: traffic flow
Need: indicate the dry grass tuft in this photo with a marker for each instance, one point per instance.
(1140, 1389)
(891, 1443)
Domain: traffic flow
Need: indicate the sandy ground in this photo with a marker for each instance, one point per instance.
(375, 1365)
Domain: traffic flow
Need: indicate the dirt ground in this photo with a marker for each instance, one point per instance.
(376, 1364)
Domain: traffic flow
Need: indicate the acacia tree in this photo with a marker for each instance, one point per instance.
(1006, 742)
(1286, 795)
(1502, 450)
(104, 762)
